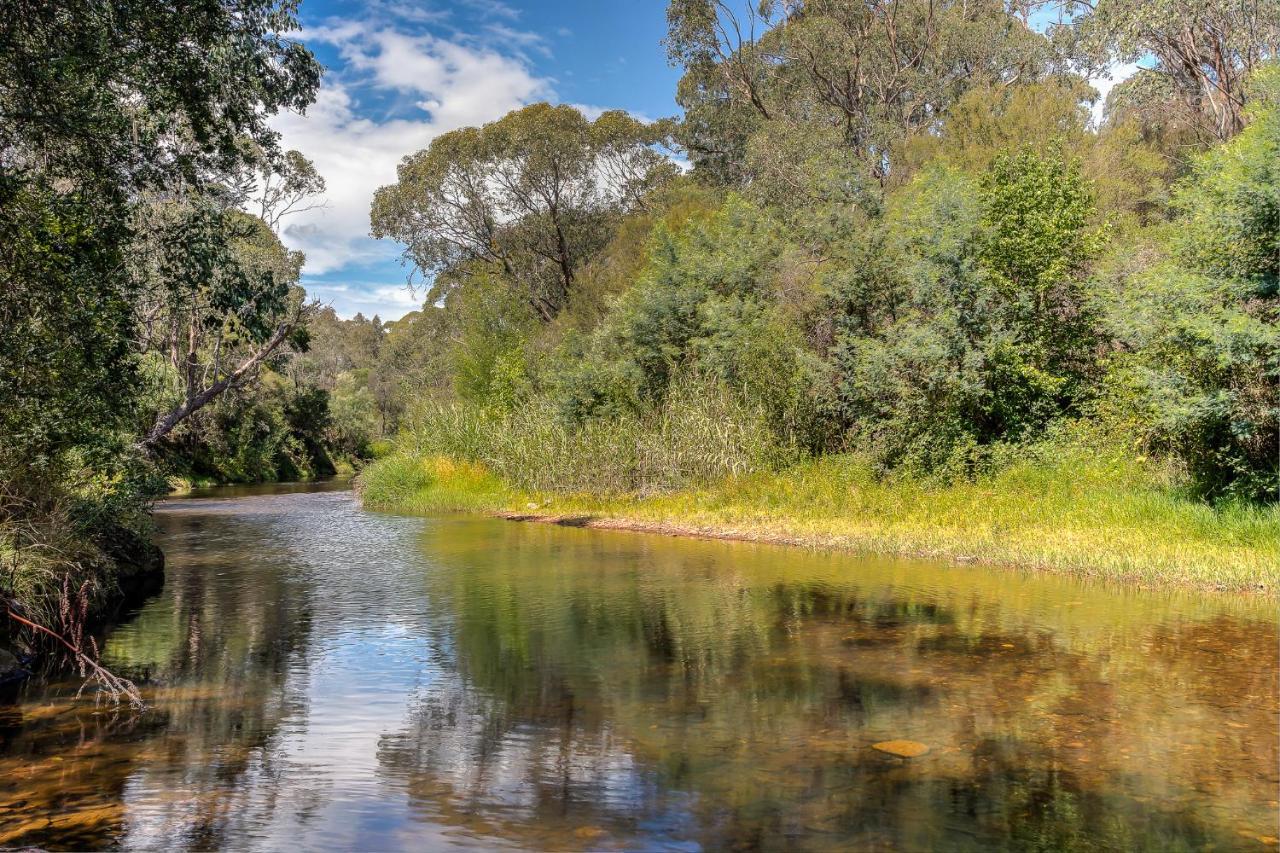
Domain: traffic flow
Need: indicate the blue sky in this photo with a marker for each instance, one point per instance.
(401, 73)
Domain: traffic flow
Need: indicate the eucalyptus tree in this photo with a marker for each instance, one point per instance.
(531, 196)
(220, 297)
(873, 72)
(1198, 55)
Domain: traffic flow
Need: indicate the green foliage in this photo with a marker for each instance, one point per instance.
(93, 96)
(102, 105)
(942, 324)
(489, 363)
(65, 321)
(1229, 209)
(1203, 328)
(1203, 53)
(1044, 117)
(275, 432)
(963, 324)
(869, 75)
(707, 301)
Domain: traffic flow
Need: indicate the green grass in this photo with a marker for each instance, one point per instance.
(1079, 511)
(413, 484)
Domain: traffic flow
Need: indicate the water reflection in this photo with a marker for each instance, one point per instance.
(752, 681)
(327, 678)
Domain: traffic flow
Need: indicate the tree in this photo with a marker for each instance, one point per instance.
(93, 94)
(532, 194)
(221, 298)
(282, 188)
(94, 90)
(875, 71)
(1204, 51)
(101, 103)
(1201, 330)
(962, 323)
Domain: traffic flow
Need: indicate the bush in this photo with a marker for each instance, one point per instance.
(966, 328)
(709, 301)
(70, 528)
(1202, 329)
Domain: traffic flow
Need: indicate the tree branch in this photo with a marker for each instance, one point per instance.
(166, 424)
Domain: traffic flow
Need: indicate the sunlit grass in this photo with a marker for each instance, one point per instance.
(407, 483)
(1084, 512)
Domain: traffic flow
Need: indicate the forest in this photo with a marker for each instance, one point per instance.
(893, 257)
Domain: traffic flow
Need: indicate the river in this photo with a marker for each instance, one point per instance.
(320, 677)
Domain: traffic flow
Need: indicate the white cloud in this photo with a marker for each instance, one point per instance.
(493, 8)
(388, 301)
(593, 112)
(1104, 83)
(444, 85)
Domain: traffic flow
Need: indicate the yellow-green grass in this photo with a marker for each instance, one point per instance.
(1084, 513)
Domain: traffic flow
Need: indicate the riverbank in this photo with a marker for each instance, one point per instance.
(63, 593)
(1082, 514)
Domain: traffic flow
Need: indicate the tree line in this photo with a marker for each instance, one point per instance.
(903, 233)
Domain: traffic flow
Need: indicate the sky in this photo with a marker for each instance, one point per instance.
(401, 72)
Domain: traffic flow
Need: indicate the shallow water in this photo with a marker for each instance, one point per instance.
(321, 677)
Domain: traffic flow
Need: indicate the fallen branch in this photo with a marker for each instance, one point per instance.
(196, 401)
(113, 684)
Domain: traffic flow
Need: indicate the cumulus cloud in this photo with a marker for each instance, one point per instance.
(435, 85)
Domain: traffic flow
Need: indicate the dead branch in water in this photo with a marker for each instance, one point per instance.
(115, 686)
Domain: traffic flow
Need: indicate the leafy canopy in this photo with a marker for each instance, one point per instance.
(533, 194)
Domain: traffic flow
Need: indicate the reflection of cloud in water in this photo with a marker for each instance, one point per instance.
(365, 656)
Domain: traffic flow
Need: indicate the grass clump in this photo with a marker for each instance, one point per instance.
(407, 482)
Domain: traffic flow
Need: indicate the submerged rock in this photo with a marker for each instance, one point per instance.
(901, 748)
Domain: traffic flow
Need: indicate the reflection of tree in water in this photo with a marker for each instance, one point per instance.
(611, 687)
(554, 775)
(219, 661)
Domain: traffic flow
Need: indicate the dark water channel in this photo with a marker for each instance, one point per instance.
(321, 677)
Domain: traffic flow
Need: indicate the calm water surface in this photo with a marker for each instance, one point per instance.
(321, 677)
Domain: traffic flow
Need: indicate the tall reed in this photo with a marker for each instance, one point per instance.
(701, 434)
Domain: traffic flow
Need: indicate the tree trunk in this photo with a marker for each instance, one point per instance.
(196, 401)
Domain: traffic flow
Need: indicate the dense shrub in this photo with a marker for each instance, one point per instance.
(709, 300)
(1202, 329)
(968, 326)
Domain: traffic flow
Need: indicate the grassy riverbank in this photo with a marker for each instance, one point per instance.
(1081, 513)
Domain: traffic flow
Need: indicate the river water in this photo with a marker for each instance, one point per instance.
(322, 677)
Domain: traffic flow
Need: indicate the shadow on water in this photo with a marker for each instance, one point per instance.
(326, 678)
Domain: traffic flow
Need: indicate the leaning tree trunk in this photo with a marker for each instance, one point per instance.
(194, 402)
